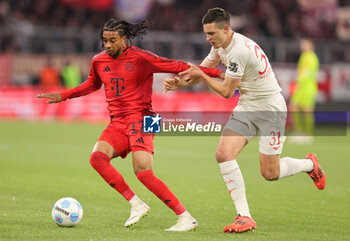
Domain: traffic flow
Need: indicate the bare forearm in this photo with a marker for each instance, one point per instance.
(226, 88)
(218, 86)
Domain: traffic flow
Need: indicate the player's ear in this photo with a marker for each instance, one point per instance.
(227, 28)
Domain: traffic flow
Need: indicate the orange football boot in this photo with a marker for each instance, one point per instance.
(317, 174)
(241, 224)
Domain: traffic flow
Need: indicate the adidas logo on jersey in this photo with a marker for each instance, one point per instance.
(107, 69)
(140, 140)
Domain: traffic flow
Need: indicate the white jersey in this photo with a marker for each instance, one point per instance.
(245, 60)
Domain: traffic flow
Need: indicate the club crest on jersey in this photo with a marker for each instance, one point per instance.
(129, 66)
(233, 67)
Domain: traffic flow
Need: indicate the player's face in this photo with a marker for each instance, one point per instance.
(306, 45)
(217, 37)
(113, 43)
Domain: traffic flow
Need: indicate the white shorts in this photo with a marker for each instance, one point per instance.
(265, 118)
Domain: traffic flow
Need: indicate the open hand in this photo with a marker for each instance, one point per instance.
(53, 97)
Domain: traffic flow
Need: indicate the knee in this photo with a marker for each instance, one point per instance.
(142, 166)
(269, 166)
(137, 170)
(270, 174)
(222, 156)
(142, 161)
(98, 159)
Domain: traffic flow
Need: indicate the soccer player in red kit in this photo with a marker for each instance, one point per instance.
(127, 75)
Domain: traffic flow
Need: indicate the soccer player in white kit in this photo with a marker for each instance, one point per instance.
(261, 111)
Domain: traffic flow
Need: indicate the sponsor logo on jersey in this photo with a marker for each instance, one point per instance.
(233, 67)
(107, 69)
(140, 140)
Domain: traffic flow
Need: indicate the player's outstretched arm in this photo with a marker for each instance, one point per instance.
(53, 97)
(177, 83)
(226, 88)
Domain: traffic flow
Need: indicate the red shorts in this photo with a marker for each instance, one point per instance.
(126, 135)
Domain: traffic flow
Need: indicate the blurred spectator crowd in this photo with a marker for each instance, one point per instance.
(270, 18)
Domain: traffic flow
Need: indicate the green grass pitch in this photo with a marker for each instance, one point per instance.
(43, 162)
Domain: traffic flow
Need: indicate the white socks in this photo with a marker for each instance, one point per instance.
(291, 166)
(135, 200)
(184, 214)
(235, 184)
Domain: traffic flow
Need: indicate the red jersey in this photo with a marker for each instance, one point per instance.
(128, 79)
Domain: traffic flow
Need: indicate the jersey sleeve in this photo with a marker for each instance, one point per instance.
(212, 56)
(92, 84)
(236, 65)
(163, 65)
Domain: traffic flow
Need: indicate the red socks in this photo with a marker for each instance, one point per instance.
(101, 163)
(161, 190)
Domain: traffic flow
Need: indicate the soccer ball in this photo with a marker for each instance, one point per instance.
(67, 212)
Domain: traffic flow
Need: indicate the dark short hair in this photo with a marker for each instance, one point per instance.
(218, 16)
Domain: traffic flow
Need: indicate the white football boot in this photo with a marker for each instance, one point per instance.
(138, 210)
(185, 223)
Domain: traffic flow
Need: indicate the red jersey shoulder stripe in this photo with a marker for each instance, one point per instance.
(143, 51)
(99, 54)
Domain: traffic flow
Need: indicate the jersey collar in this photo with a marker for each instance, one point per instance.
(230, 46)
(124, 53)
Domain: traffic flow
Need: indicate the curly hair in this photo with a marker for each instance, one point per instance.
(127, 29)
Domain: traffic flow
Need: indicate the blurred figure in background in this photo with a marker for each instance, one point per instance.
(49, 77)
(71, 75)
(302, 102)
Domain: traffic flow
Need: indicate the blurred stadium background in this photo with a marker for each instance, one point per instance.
(37, 34)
